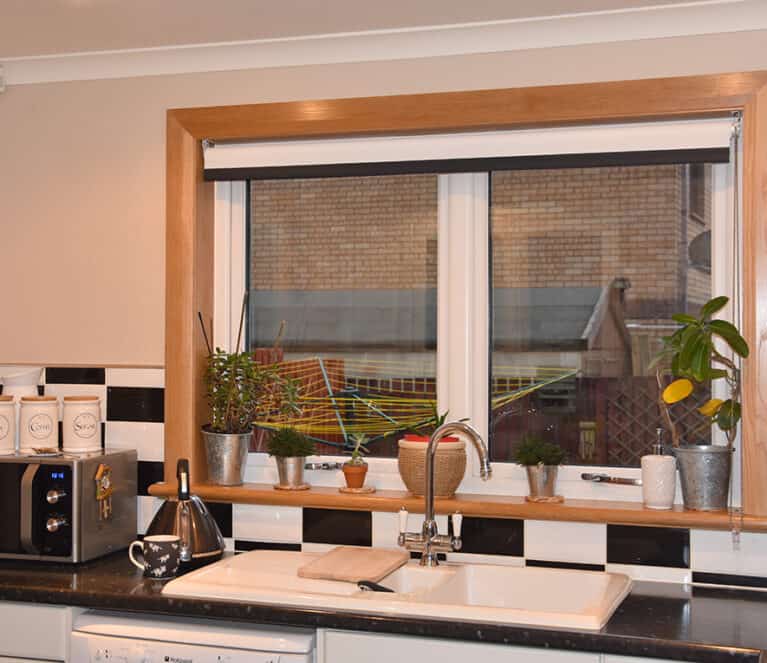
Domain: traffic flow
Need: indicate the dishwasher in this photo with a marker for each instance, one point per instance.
(111, 637)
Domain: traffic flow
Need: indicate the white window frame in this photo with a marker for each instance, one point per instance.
(462, 330)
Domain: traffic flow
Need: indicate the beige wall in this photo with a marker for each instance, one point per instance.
(82, 176)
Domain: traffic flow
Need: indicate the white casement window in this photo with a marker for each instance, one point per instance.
(522, 279)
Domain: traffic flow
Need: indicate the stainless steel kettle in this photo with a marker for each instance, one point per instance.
(188, 518)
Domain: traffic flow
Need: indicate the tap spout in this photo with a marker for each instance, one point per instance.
(444, 430)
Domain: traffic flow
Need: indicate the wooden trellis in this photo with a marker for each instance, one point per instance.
(632, 417)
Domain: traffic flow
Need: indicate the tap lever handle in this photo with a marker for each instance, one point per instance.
(403, 520)
(457, 523)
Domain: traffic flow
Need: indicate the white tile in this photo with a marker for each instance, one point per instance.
(386, 527)
(146, 509)
(472, 558)
(61, 390)
(652, 573)
(135, 377)
(713, 552)
(228, 544)
(147, 438)
(556, 541)
(274, 524)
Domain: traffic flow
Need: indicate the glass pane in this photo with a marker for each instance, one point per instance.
(588, 266)
(350, 266)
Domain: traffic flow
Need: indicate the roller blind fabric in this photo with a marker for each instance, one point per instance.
(605, 144)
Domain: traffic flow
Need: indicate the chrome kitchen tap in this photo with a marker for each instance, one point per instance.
(429, 542)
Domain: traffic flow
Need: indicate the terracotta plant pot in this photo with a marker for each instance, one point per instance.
(355, 475)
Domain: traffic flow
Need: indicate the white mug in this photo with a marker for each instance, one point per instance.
(39, 423)
(7, 425)
(81, 429)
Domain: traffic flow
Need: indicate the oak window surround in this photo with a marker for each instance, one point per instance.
(189, 265)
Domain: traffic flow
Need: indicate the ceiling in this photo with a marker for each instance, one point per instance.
(46, 27)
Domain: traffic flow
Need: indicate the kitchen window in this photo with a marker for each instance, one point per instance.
(529, 296)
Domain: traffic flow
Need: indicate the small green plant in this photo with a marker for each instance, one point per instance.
(358, 449)
(289, 443)
(535, 451)
(433, 422)
(694, 357)
(239, 391)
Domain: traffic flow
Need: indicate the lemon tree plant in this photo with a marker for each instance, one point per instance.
(695, 359)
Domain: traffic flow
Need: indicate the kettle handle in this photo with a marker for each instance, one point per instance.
(182, 474)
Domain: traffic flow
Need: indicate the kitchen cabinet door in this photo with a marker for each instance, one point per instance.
(31, 631)
(353, 647)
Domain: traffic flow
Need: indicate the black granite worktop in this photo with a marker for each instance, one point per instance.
(656, 620)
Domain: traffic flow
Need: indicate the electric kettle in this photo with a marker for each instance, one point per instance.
(189, 519)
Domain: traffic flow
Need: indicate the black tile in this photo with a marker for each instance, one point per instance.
(580, 566)
(349, 528)
(729, 579)
(491, 536)
(135, 404)
(245, 546)
(149, 472)
(75, 376)
(441, 557)
(222, 513)
(651, 546)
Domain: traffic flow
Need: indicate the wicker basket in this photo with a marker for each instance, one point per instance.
(449, 467)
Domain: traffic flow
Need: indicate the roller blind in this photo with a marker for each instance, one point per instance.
(678, 141)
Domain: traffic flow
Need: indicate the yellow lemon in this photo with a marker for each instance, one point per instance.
(710, 408)
(677, 391)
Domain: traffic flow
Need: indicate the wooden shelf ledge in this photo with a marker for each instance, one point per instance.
(489, 506)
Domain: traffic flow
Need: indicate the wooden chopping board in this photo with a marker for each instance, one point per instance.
(354, 564)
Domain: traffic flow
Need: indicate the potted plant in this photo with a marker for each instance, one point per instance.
(355, 469)
(290, 448)
(449, 459)
(541, 461)
(704, 469)
(238, 388)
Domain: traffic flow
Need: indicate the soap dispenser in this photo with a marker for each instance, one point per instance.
(658, 477)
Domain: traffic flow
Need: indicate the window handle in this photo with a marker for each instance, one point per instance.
(323, 466)
(606, 478)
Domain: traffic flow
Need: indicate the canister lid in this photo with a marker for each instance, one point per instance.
(80, 399)
(38, 399)
(6, 399)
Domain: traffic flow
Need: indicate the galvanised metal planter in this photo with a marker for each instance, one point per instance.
(227, 455)
(542, 480)
(704, 473)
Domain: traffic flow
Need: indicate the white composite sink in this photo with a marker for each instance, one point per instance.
(467, 592)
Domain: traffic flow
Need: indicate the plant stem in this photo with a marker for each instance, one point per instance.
(664, 411)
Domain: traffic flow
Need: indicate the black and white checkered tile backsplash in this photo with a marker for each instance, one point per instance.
(133, 412)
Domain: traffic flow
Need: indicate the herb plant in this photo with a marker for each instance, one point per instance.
(535, 451)
(358, 449)
(240, 391)
(694, 358)
(289, 443)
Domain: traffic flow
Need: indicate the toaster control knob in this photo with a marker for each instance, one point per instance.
(53, 496)
(55, 523)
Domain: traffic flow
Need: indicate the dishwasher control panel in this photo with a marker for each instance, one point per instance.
(89, 648)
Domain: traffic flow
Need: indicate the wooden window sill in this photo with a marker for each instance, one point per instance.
(490, 506)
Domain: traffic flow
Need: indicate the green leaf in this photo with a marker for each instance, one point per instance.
(700, 363)
(731, 336)
(728, 415)
(713, 305)
(684, 319)
(689, 350)
(717, 373)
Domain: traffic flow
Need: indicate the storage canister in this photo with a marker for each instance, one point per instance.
(7, 425)
(38, 423)
(82, 424)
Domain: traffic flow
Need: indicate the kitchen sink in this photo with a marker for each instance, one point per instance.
(468, 592)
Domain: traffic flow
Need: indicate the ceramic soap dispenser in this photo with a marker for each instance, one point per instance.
(658, 477)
